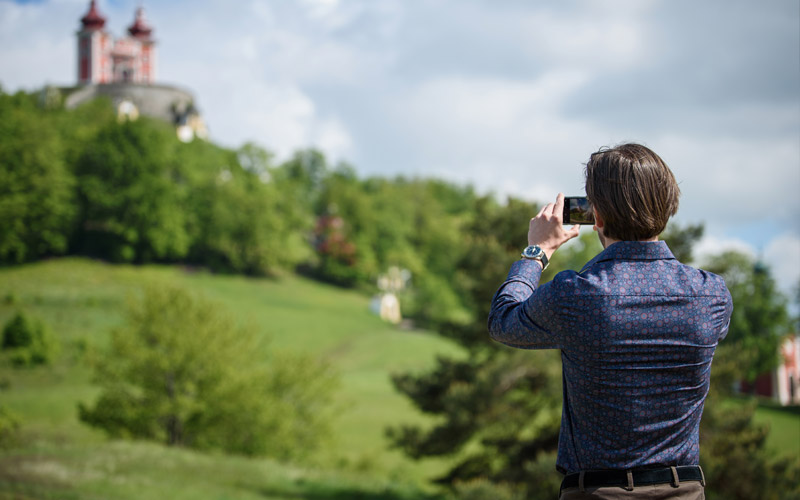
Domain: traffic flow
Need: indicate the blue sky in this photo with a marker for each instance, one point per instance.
(510, 96)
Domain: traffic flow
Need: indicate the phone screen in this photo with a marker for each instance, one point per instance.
(577, 210)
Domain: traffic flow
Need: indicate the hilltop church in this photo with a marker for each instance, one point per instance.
(102, 59)
(124, 70)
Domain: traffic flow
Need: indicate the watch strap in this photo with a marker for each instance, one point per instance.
(535, 252)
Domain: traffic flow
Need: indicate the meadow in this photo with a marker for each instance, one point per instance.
(56, 456)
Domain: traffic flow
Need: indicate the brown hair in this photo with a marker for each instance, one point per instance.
(633, 190)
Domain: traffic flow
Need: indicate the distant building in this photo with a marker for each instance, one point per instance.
(783, 383)
(124, 70)
(103, 59)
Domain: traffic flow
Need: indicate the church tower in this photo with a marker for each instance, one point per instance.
(102, 59)
(94, 47)
(146, 63)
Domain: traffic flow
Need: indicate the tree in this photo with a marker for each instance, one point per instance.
(498, 409)
(499, 412)
(183, 372)
(132, 193)
(681, 240)
(733, 452)
(245, 218)
(491, 240)
(760, 316)
(37, 209)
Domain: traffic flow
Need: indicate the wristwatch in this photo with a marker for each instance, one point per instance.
(535, 252)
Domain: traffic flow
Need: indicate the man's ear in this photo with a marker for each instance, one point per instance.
(598, 221)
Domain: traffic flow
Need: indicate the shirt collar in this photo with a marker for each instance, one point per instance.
(634, 250)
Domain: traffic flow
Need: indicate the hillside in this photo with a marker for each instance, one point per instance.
(56, 456)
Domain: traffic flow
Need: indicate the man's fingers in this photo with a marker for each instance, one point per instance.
(558, 208)
(541, 211)
(555, 209)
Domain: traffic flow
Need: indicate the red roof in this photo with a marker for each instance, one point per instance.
(140, 28)
(93, 19)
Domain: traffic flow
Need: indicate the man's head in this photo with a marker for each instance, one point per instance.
(632, 190)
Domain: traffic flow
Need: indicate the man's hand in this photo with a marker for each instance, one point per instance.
(546, 229)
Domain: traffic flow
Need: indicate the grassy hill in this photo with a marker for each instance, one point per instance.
(56, 456)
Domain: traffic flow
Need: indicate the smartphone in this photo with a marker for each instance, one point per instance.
(577, 210)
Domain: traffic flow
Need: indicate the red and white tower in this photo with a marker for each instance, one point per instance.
(94, 45)
(101, 59)
(146, 63)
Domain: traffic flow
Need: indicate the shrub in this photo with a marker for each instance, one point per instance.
(183, 372)
(28, 341)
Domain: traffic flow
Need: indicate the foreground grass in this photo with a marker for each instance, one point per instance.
(784, 427)
(82, 301)
(136, 470)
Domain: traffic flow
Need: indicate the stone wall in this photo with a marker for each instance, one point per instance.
(164, 102)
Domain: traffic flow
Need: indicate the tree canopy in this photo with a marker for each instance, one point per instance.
(182, 371)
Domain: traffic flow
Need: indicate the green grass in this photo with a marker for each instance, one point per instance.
(82, 301)
(56, 456)
(784, 426)
(783, 423)
(136, 470)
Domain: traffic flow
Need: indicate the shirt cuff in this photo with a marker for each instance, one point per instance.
(526, 270)
(522, 280)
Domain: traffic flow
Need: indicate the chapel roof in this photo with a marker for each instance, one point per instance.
(93, 19)
(140, 28)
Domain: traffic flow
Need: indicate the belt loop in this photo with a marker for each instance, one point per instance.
(630, 480)
(580, 481)
(676, 482)
(702, 477)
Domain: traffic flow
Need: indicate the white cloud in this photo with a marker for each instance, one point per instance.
(734, 182)
(324, 9)
(598, 35)
(501, 134)
(33, 50)
(710, 246)
(281, 115)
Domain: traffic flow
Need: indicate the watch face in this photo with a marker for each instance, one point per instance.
(532, 252)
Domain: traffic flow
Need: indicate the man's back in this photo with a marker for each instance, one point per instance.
(637, 331)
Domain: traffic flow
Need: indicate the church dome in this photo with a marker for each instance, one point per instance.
(93, 19)
(140, 28)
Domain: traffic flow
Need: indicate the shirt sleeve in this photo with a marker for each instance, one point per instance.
(518, 316)
(727, 315)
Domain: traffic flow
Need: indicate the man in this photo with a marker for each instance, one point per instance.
(636, 328)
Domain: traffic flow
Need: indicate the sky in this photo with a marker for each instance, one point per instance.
(509, 96)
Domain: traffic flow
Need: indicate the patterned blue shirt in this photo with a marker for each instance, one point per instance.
(637, 330)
